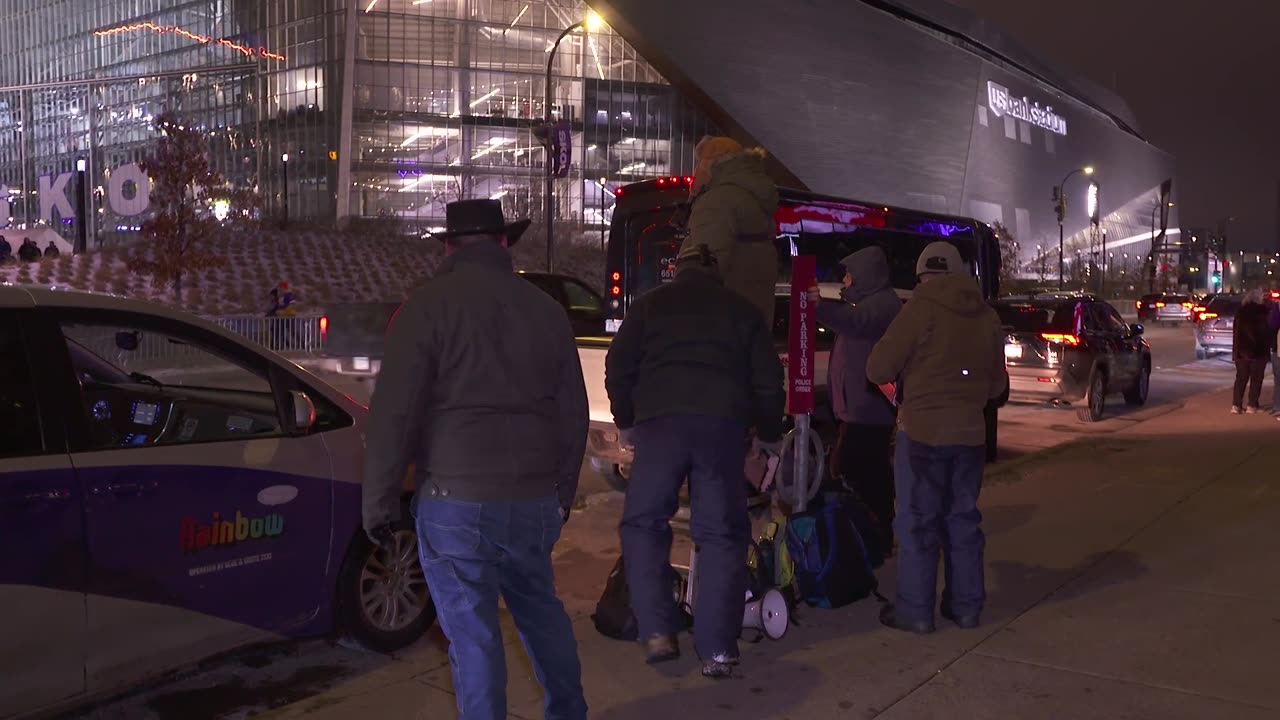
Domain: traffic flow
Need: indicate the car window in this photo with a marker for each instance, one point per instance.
(1224, 305)
(143, 386)
(19, 416)
(581, 298)
(1027, 318)
(1112, 317)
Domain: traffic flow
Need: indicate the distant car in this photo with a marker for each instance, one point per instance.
(1201, 305)
(1146, 306)
(1174, 309)
(1073, 350)
(1216, 326)
(170, 490)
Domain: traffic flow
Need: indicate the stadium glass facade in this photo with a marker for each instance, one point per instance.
(383, 108)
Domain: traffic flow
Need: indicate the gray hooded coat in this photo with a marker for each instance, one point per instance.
(871, 306)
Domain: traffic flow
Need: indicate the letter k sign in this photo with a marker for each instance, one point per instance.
(54, 194)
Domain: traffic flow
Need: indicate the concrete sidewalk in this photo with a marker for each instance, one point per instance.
(1131, 575)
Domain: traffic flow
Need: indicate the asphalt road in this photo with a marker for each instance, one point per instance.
(1176, 375)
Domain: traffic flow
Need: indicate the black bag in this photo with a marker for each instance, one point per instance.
(613, 617)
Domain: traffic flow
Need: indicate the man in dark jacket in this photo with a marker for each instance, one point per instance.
(866, 415)
(481, 392)
(732, 213)
(691, 370)
(1252, 341)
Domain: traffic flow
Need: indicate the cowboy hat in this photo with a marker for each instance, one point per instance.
(479, 217)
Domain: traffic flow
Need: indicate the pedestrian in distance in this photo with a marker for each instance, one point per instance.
(29, 251)
(1253, 344)
(481, 393)
(733, 203)
(692, 369)
(947, 352)
(51, 250)
(861, 455)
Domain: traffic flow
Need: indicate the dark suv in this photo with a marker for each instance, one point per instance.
(1073, 350)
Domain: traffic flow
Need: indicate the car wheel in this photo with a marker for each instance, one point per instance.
(1202, 354)
(1137, 395)
(383, 602)
(1095, 400)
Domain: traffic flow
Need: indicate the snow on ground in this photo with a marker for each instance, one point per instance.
(322, 267)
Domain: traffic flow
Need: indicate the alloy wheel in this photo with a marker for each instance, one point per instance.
(393, 588)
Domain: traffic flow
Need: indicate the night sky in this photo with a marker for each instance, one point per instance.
(1200, 76)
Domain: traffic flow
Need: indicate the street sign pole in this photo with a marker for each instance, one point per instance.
(800, 370)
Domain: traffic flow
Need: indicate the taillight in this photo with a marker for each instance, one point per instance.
(324, 327)
(1198, 308)
(1138, 305)
(1159, 305)
(615, 290)
(1275, 295)
(662, 181)
(616, 276)
(1063, 338)
(1186, 305)
(617, 192)
(1208, 316)
(689, 181)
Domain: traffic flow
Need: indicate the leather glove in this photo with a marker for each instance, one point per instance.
(382, 535)
(770, 448)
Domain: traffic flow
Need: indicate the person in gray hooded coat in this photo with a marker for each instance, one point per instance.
(861, 456)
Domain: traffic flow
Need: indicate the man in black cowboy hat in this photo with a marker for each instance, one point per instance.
(692, 368)
(481, 392)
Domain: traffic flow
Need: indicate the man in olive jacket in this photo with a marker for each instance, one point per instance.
(481, 391)
(947, 349)
(734, 202)
(690, 371)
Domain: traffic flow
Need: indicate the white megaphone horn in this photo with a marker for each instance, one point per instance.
(767, 614)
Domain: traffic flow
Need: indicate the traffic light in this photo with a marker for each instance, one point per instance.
(1217, 278)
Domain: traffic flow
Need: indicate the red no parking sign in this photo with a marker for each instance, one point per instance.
(803, 332)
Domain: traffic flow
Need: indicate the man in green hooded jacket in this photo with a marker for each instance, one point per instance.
(734, 202)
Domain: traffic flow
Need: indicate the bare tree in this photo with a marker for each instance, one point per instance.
(1009, 264)
(184, 191)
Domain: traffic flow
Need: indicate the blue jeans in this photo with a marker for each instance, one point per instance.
(710, 452)
(473, 552)
(938, 490)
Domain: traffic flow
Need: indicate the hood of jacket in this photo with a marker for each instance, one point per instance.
(956, 294)
(746, 171)
(869, 269)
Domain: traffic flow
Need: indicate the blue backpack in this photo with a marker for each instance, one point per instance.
(832, 563)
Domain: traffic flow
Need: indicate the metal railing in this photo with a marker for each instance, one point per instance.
(287, 334)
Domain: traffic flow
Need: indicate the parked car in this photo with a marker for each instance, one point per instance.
(170, 490)
(1073, 350)
(1214, 331)
(1174, 309)
(354, 332)
(1146, 306)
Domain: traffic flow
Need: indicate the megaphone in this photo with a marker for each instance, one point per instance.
(767, 614)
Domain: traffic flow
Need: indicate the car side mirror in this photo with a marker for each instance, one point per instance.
(302, 412)
(1136, 329)
(127, 340)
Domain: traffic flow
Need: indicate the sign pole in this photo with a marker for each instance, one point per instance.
(800, 359)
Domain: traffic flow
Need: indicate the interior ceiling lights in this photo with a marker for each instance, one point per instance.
(202, 39)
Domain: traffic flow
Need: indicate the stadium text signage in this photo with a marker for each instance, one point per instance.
(1002, 103)
(128, 194)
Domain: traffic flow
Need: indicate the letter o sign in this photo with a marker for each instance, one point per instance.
(121, 204)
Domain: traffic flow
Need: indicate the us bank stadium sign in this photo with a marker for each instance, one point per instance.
(1002, 103)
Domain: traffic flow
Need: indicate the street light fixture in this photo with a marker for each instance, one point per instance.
(592, 22)
(1060, 197)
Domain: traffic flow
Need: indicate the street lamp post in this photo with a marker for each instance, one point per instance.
(1151, 277)
(284, 162)
(591, 22)
(1061, 194)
